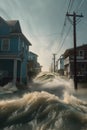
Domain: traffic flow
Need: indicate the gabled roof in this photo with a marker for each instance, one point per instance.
(70, 50)
(12, 22)
(1, 19)
(14, 25)
(15, 28)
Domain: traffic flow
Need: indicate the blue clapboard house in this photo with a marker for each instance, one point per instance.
(14, 49)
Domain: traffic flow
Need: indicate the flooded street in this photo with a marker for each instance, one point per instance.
(81, 93)
(37, 36)
(49, 103)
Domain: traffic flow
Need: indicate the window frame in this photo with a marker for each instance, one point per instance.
(80, 52)
(2, 46)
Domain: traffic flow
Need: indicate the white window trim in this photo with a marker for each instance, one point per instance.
(8, 45)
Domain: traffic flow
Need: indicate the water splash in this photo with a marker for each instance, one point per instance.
(8, 88)
(42, 111)
(51, 105)
(53, 84)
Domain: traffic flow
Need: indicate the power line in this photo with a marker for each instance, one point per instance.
(68, 10)
(63, 27)
(62, 32)
(80, 5)
(70, 5)
(70, 20)
(65, 20)
(47, 35)
(78, 20)
(62, 43)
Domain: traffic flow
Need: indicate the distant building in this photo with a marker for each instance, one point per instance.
(60, 65)
(52, 67)
(33, 66)
(81, 52)
(14, 48)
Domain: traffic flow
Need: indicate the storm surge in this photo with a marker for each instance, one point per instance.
(50, 105)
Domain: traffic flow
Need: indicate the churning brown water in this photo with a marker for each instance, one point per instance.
(50, 103)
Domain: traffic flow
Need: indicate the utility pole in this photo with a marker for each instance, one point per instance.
(74, 15)
(54, 59)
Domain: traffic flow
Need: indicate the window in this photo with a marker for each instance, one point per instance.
(20, 44)
(5, 45)
(81, 53)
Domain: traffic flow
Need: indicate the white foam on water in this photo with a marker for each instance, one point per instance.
(50, 106)
(8, 88)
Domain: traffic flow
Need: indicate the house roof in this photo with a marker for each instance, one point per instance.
(70, 50)
(15, 28)
(28, 42)
(12, 22)
(1, 19)
(16, 25)
(33, 53)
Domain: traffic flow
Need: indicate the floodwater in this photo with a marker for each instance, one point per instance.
(49, 103)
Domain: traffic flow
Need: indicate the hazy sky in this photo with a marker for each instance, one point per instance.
(42, 23)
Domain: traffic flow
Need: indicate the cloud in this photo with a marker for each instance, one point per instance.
(40, 20)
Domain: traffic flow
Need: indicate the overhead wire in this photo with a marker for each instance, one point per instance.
(70, 20)
(70, 5)
(80, 5)
(68, 10)
(78, 20)
(63, 26)
(62, 43)
(46, 35)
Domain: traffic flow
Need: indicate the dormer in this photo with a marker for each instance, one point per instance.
(14, 26)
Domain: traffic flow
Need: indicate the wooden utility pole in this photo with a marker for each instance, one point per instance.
(54, 58)
(74, 15)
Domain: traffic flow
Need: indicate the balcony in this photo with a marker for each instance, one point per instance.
(78, 57)
(18, 56)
